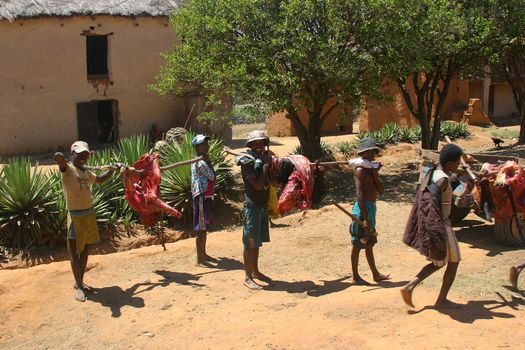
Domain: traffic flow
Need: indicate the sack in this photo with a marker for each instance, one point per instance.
(273, 202)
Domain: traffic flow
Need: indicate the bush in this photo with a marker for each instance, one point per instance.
(26, 201)
(249, 114)
(33, 208)
(346, 148)
(327, 151)
(176, 183)
(454, 130)
(391, 133)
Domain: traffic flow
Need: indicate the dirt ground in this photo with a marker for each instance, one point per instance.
(148, 298)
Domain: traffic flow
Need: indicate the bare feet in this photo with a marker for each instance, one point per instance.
(380, 277)
(85, 287)
(261, 277)
(80, 296)
(406, 294)
(360, 282)
(250, 283)
(209, 258)
(203, 263)
(514, 274)
(446, 304)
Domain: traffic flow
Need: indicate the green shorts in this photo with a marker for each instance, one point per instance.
(255, 228)
(357, 231)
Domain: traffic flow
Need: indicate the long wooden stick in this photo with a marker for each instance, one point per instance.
(238, 154)
(163, 168)
(189, 116)
(370, 233)
(179, 164)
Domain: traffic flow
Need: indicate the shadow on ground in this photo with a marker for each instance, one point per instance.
(115, 298)
(480, 235)
(479, 309)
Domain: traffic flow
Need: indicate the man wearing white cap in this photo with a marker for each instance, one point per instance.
(82, 228)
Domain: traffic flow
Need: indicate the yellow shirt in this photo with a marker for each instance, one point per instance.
(77, 187)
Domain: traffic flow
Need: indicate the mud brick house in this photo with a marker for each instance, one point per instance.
(80, 69)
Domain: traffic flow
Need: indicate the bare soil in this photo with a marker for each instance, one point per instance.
(150, 298)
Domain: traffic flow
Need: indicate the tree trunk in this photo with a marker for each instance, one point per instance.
(309, 137)
(425, 132)
(521, 109)
(436, 132)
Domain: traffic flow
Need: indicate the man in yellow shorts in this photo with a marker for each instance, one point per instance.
(82, 228)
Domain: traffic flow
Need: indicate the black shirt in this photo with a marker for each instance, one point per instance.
(252, 196)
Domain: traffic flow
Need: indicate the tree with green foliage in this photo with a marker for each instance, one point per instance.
(510, 20)
(285, 54)
(425, 44)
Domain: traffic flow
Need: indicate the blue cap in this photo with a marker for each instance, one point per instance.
(199, 139)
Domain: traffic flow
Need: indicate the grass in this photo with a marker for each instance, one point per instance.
(505, 134)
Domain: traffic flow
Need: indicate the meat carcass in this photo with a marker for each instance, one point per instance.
(142, 190)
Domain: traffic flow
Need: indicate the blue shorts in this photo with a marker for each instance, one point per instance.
(255, 228)
(356, 231)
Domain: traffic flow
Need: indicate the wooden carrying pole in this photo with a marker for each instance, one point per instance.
(238, 154)
(163, 168)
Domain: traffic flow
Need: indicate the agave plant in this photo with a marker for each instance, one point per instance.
(346, 148)
(409, 135)
(454, 130)
(26, 198)
(327, 151)
(108, 197)
(130, 149)
(57, 214)
(176, 183)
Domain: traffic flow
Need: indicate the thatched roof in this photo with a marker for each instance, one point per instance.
(13, 9)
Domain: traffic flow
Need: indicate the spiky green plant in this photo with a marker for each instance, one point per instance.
(26, 197)
(108, 197)
(176, 183)
(348, 149)
(409, 135)
(327, 151)
(130, 149)
(455, 130)
(57, 214)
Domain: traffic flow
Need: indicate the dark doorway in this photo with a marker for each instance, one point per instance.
(97, 56)
(97, 122)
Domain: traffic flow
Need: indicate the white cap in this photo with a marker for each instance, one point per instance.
(79, 147)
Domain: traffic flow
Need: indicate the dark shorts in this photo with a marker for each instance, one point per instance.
(255, 228)
(357, 231)
(202, 213)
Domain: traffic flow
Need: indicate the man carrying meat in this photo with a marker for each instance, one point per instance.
(367, 185)
(255, 169)
(82, 228)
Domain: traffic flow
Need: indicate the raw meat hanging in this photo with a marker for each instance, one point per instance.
(509, 174)
(297, 193)
(142, 190)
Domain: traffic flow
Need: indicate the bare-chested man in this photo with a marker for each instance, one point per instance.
(367, 185)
